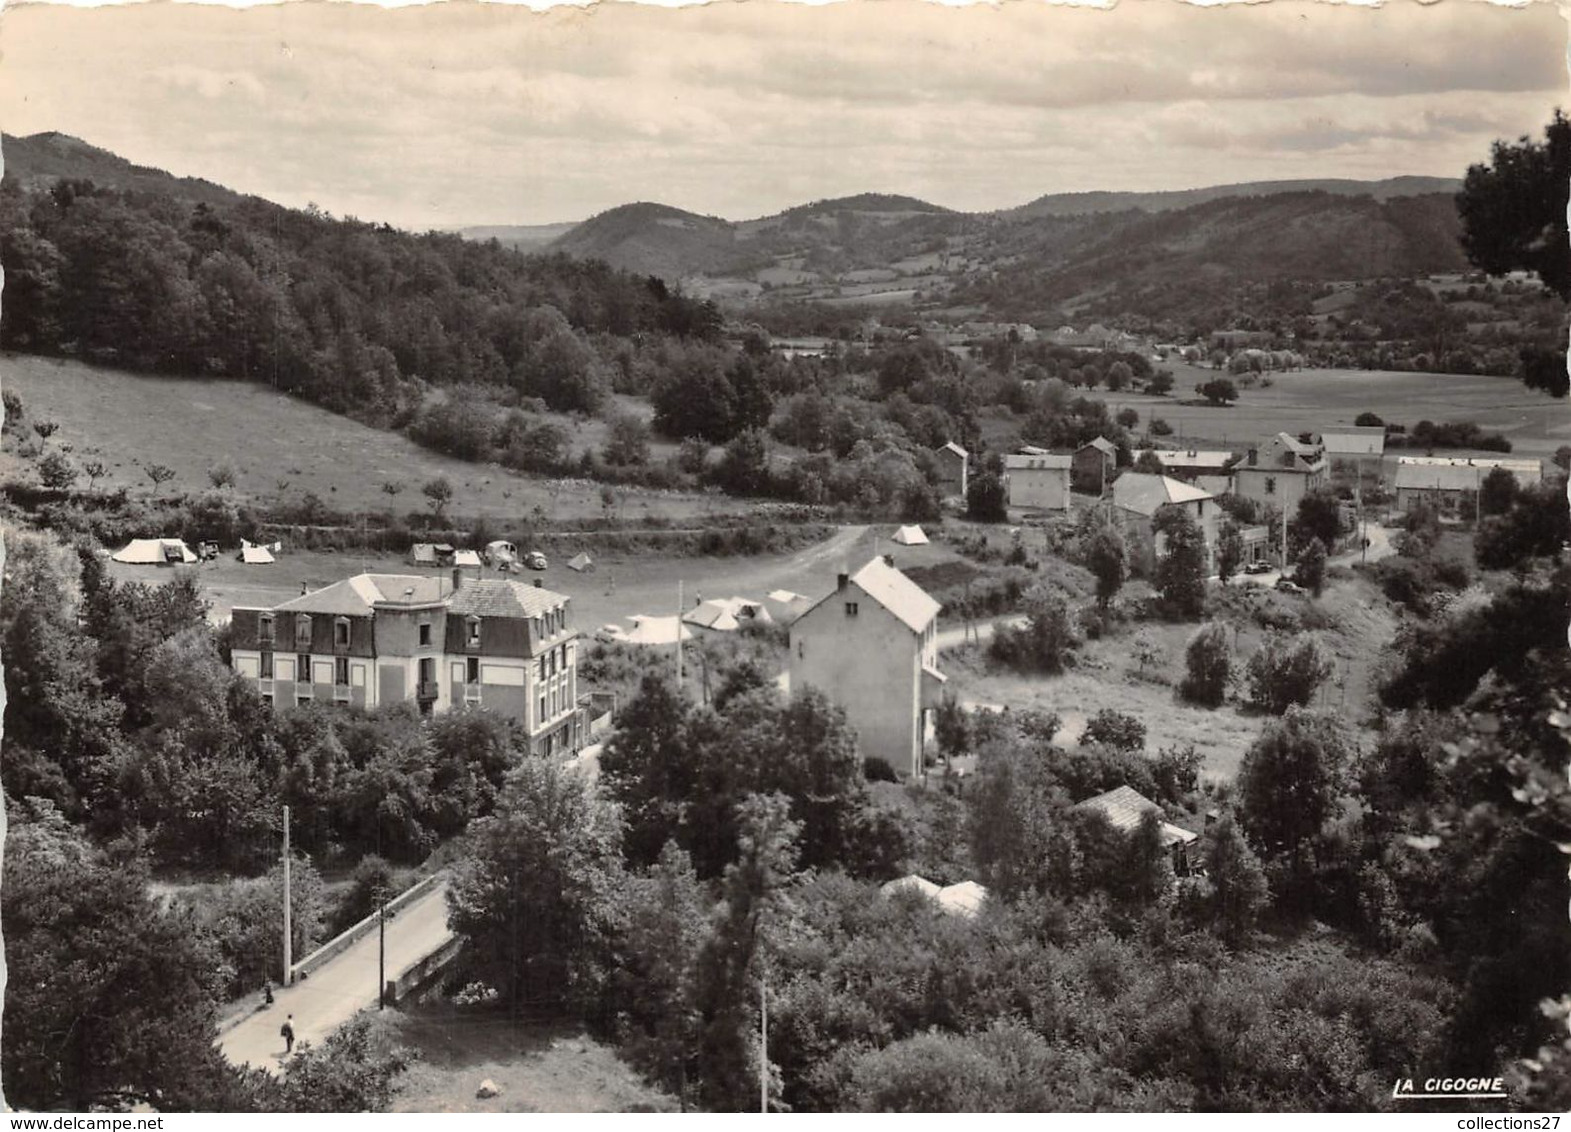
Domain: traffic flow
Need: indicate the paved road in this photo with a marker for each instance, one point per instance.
(342, 987)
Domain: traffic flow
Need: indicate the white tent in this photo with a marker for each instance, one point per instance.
(467, 558)
(910, 536)
(912, 883)
(963, 899)
(253, 554)
(581, 562)
(656, 630)
(154, 552)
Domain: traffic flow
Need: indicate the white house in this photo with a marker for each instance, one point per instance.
(1280, 472)
(1038, 480)
(872, 647)
(1138, 497)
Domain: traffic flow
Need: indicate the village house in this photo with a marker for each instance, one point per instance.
(377, 639)
(1362, 447)
(1093, 465)
(953, 462)
(1138, 497)
(1451, 483)
(872, 647)
(1280, 472)
(1211, 470)
(1124, 809)
(1038, 480)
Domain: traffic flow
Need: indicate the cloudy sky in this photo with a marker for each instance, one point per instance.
(465, 114)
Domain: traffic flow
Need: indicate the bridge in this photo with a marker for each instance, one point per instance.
(339, 979)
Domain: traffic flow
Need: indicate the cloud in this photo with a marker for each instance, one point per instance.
(457, 114)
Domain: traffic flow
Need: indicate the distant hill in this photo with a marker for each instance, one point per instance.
(1076, 204)
(41, 159)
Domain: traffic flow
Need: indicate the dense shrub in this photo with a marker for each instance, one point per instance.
(1208, 661)
(1284, 672)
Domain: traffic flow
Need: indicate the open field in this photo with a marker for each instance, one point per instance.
(275, 441)
(1311, 400)
(538, 1067)
(622, 583)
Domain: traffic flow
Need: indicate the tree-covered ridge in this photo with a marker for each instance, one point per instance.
(358, 317)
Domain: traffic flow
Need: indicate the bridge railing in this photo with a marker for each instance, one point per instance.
(352, 935)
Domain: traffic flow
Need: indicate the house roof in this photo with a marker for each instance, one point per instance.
(1351, 440)
(357, 596)
(1124, 807)
(1102, 444)
(1179, 458)
(1297, 447)
(1145, 494)
(500, 597)
(897, 593)
(951, 446)
(1034, 462)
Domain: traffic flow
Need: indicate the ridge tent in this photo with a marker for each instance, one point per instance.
(253, 554)
(154, 552)
(581, 562)
(910, 536)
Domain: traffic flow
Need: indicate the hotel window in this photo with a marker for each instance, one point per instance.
(267, 666)
(542, 668)
(303, 668)
(553, 662)
(303, 630)
(264, 628)
(1270, 485)
(302, 698)
(474, 631)
(472, 670)
(267, 697)
(542, 710)
(341, 633)
(341, 671)
(850, 609)
(425, 634)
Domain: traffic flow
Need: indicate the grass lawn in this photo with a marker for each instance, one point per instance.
(539, 1067)
(283, 447)
(1314, 399)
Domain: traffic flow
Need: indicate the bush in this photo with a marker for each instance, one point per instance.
(1285, 672)
(1115, 729)
(1310, 568)
(876, 769)
(1043, 642)
(1208, 662)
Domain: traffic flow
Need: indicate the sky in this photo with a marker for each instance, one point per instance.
(464, 114)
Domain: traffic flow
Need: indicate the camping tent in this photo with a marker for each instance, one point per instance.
(910, 536)
(423, 554)
(155, 552)
(467, 558)
(912, 883)
(253, 554)
(581, 562)
(656, 630)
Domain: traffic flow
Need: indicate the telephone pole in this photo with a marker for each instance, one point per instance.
(679, 612)
(381, 947)
(763, 1043)
(289, 939)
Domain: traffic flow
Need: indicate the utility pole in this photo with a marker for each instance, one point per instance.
(381, 947)
(679, 612)
(289, 935)
(763, 1043)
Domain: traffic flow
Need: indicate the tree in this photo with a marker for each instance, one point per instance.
(109, 1002)
(96, 470)
(1309, 570)
(1160, 383)
(1368, 420)
(391, 488)
(1159, 427)
(1285, 672)
(1290, 784)
(1218, 391)
(627, 444)
(160, 474)
(537, 894)
(1128, 418)
(1497, 492)
(1148, 463)
(1229, 549)
(1319, 517)
(1107, 558)
(56, 471)
(1181, 568)
(221, 475)
(1046, 638)
(355, 1069)
(45, 429)
(1513, 209)
(987, 498)
(1536, 526)
(1238, 884)
(744, 466)
(438, 492)
(1115, 729)
(1118, 375)
(1208, 662)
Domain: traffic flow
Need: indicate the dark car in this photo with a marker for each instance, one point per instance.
(1258, 568)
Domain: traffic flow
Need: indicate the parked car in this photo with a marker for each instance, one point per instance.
(1288, 586)
(1261, 567)
(535, 560)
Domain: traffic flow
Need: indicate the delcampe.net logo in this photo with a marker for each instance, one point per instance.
(1449, 1089)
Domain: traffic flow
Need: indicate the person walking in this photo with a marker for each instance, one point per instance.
(287, 1031)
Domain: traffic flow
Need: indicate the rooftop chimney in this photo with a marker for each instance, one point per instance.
(539, 585)
(842, 581)
(889, 560)
(458, 578)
